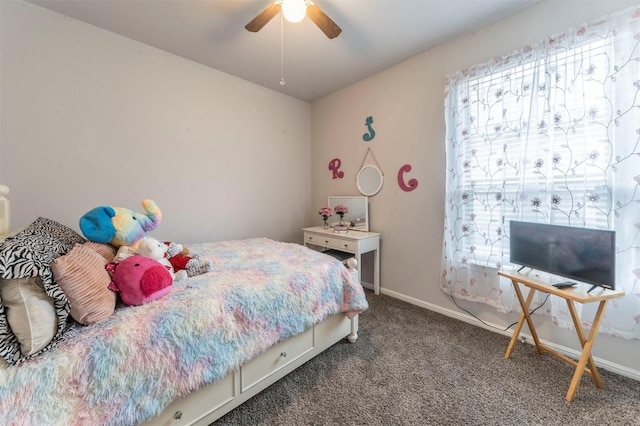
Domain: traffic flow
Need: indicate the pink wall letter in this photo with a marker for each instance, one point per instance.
(334, 165)
(413, 183)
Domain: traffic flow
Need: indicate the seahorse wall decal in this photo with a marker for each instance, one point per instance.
(413, 183)
(372, 133)
(334, 166)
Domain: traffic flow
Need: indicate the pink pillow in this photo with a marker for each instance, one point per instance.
(83, 278)
(105, 250)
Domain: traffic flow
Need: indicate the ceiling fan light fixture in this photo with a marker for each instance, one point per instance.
(303, 8)
(294, 10)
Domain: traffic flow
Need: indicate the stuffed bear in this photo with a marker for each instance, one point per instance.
(157, 250)
(139, 279)
(173, 254)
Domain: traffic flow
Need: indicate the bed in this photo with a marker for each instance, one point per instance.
(214, 341)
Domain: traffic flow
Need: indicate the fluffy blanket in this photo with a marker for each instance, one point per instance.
(127, 368)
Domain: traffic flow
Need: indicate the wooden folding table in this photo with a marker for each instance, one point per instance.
(579, 294)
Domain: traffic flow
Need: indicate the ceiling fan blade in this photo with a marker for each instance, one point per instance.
(263, 18)
(326, 24)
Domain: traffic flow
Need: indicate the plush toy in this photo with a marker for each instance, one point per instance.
(120, 226)
(157, 250)
(174, 255)
(139, 279)
(124, 252)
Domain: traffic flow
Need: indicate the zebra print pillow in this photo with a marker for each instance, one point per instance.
(29, 254)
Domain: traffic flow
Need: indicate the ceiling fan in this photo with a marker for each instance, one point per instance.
(295, 11)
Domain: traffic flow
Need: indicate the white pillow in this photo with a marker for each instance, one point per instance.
(30, 313)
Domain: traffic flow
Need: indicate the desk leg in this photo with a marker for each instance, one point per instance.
(524, 316)
(376, 271)
(358, 257)
(587, 344)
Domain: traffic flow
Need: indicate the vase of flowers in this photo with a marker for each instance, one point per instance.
(341, 210)
(325, 212)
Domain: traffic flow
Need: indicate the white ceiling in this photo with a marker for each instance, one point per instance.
(375, 35)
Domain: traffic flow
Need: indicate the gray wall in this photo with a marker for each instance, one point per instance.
(89, 118)
(406, 102)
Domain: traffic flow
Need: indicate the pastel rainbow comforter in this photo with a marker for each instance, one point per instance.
(129, 367)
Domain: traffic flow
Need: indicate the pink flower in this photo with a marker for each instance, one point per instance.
(325, 212)
(341, 210)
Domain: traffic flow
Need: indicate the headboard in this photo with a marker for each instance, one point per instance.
(4, 210)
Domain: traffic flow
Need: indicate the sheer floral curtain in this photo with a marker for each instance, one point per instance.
(551, 134)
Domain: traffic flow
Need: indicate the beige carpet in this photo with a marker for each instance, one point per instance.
(411, 366)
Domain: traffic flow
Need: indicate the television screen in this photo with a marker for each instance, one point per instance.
(582, 254)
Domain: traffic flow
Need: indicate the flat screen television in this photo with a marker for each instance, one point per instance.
(581, 254)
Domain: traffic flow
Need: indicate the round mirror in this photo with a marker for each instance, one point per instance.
(369, 180)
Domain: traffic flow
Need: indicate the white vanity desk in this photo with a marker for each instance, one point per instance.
(355, 242)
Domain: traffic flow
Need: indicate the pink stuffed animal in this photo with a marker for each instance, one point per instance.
(139, 279)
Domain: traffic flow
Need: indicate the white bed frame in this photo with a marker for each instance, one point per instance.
(204, 406)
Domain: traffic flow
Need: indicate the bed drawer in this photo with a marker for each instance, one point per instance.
(196, 405)
(275, 358)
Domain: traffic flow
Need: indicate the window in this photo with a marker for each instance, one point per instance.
(548, 134)
(559, 119)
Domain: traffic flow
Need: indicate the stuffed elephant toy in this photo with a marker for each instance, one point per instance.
(119, 226)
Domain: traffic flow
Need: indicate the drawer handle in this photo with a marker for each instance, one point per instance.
(177, 415)
(283, 355)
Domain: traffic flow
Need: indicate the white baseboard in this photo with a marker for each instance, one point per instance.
(367, 285)
(607, 365)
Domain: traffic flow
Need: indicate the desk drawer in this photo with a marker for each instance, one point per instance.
(313, 239)
(347, 245)
(322, 240)
(328, 241)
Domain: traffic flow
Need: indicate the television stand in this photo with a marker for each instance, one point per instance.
(573, 294)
